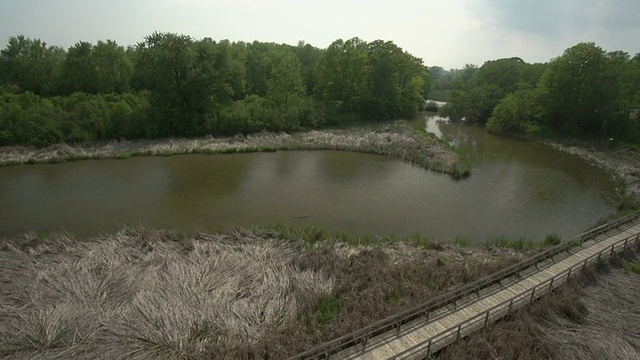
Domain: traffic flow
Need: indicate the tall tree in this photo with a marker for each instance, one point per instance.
(31, 65)
(572, 89)
(113, 67)
(181, 77)
(342, 75)
(79, 71)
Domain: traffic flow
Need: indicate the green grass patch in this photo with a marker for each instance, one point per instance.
(516, 244)
(393, 296)
(327, 309)
(462, 241)
(123, 156)
(552, 240)
(632, 267)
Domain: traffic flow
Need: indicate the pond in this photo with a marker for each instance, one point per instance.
(517, 189)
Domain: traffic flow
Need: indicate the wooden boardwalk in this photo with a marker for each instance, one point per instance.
(419, 332)
(422, 339)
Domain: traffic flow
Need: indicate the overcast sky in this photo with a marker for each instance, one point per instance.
(449, 33)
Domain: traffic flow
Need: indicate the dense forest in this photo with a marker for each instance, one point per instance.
(173, 85)
(586, 93)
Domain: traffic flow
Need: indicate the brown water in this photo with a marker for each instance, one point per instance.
(517, 189)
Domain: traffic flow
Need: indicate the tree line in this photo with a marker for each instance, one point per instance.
(586, 92)
(174, 85)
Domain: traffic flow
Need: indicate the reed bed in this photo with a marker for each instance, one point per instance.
(147, 294)
(397, 140)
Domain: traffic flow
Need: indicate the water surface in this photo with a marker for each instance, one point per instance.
(517, 189)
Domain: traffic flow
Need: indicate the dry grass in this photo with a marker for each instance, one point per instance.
(595, 317)
(397, 140)
(142, 294)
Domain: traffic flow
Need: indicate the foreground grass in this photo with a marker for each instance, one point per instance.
(593, 317)
(398, 140)
(142, 294)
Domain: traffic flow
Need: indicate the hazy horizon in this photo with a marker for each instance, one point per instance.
(448, 34)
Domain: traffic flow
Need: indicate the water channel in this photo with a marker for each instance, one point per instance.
(517, 189)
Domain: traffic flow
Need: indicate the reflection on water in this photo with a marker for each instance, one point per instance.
(516, 189)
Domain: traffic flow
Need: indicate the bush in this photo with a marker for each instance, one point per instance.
(431, 106)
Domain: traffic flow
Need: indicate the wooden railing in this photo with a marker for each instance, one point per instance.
(361, 337)
(507, 307)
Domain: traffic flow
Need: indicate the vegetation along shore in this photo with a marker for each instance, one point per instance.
(396, 139)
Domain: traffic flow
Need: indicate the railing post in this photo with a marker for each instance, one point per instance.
(398, 329)
(486, 318)
(613, 247)
(510, 306)
(429, 348)
(551, 285)
(364, 343)
(458, 336)
(426, 315)
(533, 293)
(585, 263)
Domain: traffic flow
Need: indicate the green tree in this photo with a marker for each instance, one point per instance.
(475, 98)
(517, 113)
(31, 65)
(113, 67)
(79, 71)
(572, 90)
(181, 75)
(342, 75)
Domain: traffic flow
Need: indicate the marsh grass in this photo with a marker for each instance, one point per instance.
(247, 293)
(516, 244)
(462, 241)
(397, 140)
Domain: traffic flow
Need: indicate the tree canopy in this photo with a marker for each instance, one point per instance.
(175, 85)
(585, 92)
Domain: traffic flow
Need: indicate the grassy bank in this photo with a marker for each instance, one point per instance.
(246, 293)
(396, 140)
(593, 317)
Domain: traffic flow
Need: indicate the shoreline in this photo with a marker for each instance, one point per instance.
(625, 169)
(397, 140)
